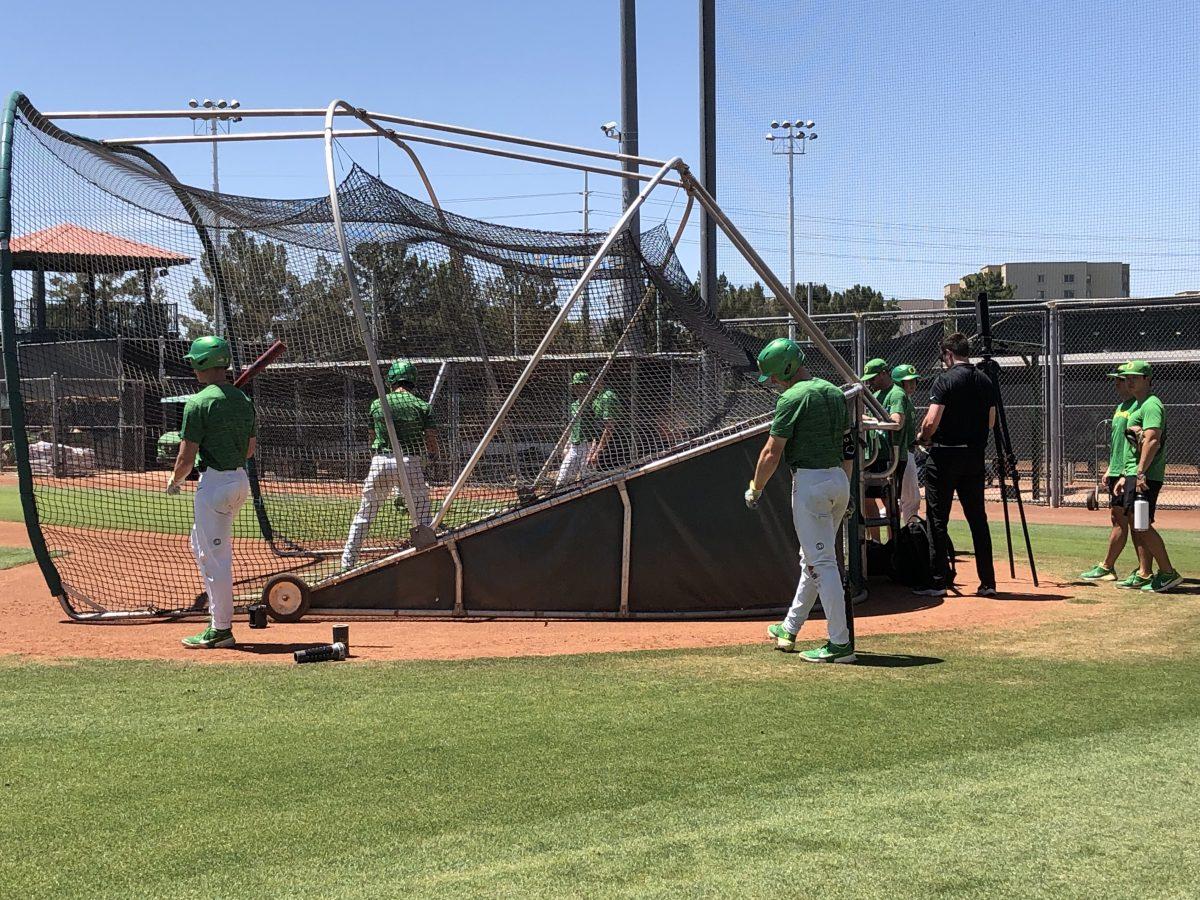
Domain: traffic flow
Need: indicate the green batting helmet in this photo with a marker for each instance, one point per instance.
(402, 370)
(780, 358)
(580, 378)
(209, 352)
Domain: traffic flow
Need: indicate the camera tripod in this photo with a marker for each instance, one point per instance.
(1006, 461)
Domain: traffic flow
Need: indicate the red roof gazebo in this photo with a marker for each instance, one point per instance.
(73, 249)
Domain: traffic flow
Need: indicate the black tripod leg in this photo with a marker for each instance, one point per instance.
(1011, 462)
(1001, 467)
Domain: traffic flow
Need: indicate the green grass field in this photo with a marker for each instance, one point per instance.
(14, 556)
(1058, 761)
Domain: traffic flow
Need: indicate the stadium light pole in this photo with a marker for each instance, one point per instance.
(212, 125)
(793, 135)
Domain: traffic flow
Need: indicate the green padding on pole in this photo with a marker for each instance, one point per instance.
(12, 370)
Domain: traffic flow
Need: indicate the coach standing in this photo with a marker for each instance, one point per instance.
(962, 411)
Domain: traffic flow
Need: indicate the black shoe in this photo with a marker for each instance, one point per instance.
(985, 590)
(936, 588)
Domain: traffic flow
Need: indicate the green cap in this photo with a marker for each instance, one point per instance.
(580, 378)
(905, 372)
(402, 370)
(780, 358)
(873, 368)
(1135, 367)
(209, 352)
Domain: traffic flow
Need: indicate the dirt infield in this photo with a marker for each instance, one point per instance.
(32, 624)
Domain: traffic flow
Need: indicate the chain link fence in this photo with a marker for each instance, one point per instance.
(1054, 359)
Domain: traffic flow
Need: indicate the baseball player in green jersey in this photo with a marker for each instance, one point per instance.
(417, 433)
(898, 402)
(1118, 448)
(218, 434)
(591, 431)
(1144, 469)
(811, 419)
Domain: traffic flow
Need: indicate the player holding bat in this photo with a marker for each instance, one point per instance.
(219, 426)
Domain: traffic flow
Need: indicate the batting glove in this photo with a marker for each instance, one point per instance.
(752, 495)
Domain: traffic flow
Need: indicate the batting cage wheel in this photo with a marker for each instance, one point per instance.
(286, 598)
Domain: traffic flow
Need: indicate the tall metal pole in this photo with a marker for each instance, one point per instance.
(629, 107)
(218, 318)
(708, 149)
(585, 307)
(792, 214)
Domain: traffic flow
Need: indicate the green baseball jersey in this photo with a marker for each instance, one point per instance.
(1119, 448)
(412, 417)
(896, 400)
(221, 420)
(812, 417)
(1149, 413)
(607, 407)
(585, 427)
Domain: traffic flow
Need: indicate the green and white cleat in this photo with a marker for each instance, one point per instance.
(1136, 581)
(1099, 573)
(784, 639)
(830, 653)
(210, 639)
(1164, 582)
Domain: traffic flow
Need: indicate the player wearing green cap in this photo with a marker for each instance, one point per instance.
(417, 434)
(218, 434)
(1119, 447)
(811, 419)
(591, 429)
(1144, 469)
(898, 402)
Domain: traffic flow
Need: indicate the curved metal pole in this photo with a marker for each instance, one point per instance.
(580, 286)
(687, 212)
(360, 316)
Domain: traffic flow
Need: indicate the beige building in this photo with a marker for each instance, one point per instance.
(1060, 280)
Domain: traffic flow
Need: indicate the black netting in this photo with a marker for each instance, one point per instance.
(117, 266)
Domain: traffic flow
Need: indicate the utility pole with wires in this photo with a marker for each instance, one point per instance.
(213, 125)
(793, 135)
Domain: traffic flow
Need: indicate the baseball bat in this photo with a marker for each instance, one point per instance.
(269, 355)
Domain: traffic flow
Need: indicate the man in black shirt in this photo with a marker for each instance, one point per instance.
(962, 411)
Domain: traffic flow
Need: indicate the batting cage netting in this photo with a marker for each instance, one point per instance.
(115, 266)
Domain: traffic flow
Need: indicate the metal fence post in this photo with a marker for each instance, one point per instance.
(55, 445)
(860, 342)
(1054, 403)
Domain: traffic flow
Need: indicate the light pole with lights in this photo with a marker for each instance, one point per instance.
(793, 135)
(213, 125)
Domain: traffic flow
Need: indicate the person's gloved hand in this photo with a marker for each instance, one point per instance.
(752, 495)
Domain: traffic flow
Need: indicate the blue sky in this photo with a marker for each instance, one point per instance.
(951, 134)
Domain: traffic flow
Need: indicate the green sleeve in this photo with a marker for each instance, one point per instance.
(427, 419)
(607, 407)
(1154, 415)
(787, 411)
(895, 402)
(193, 422)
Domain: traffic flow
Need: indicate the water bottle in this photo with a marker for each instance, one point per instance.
(1141, 514)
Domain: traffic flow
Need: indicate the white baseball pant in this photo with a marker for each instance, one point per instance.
(218, 497)
(819, 501)
(574, 464)
(910, 493)
(381, 484)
